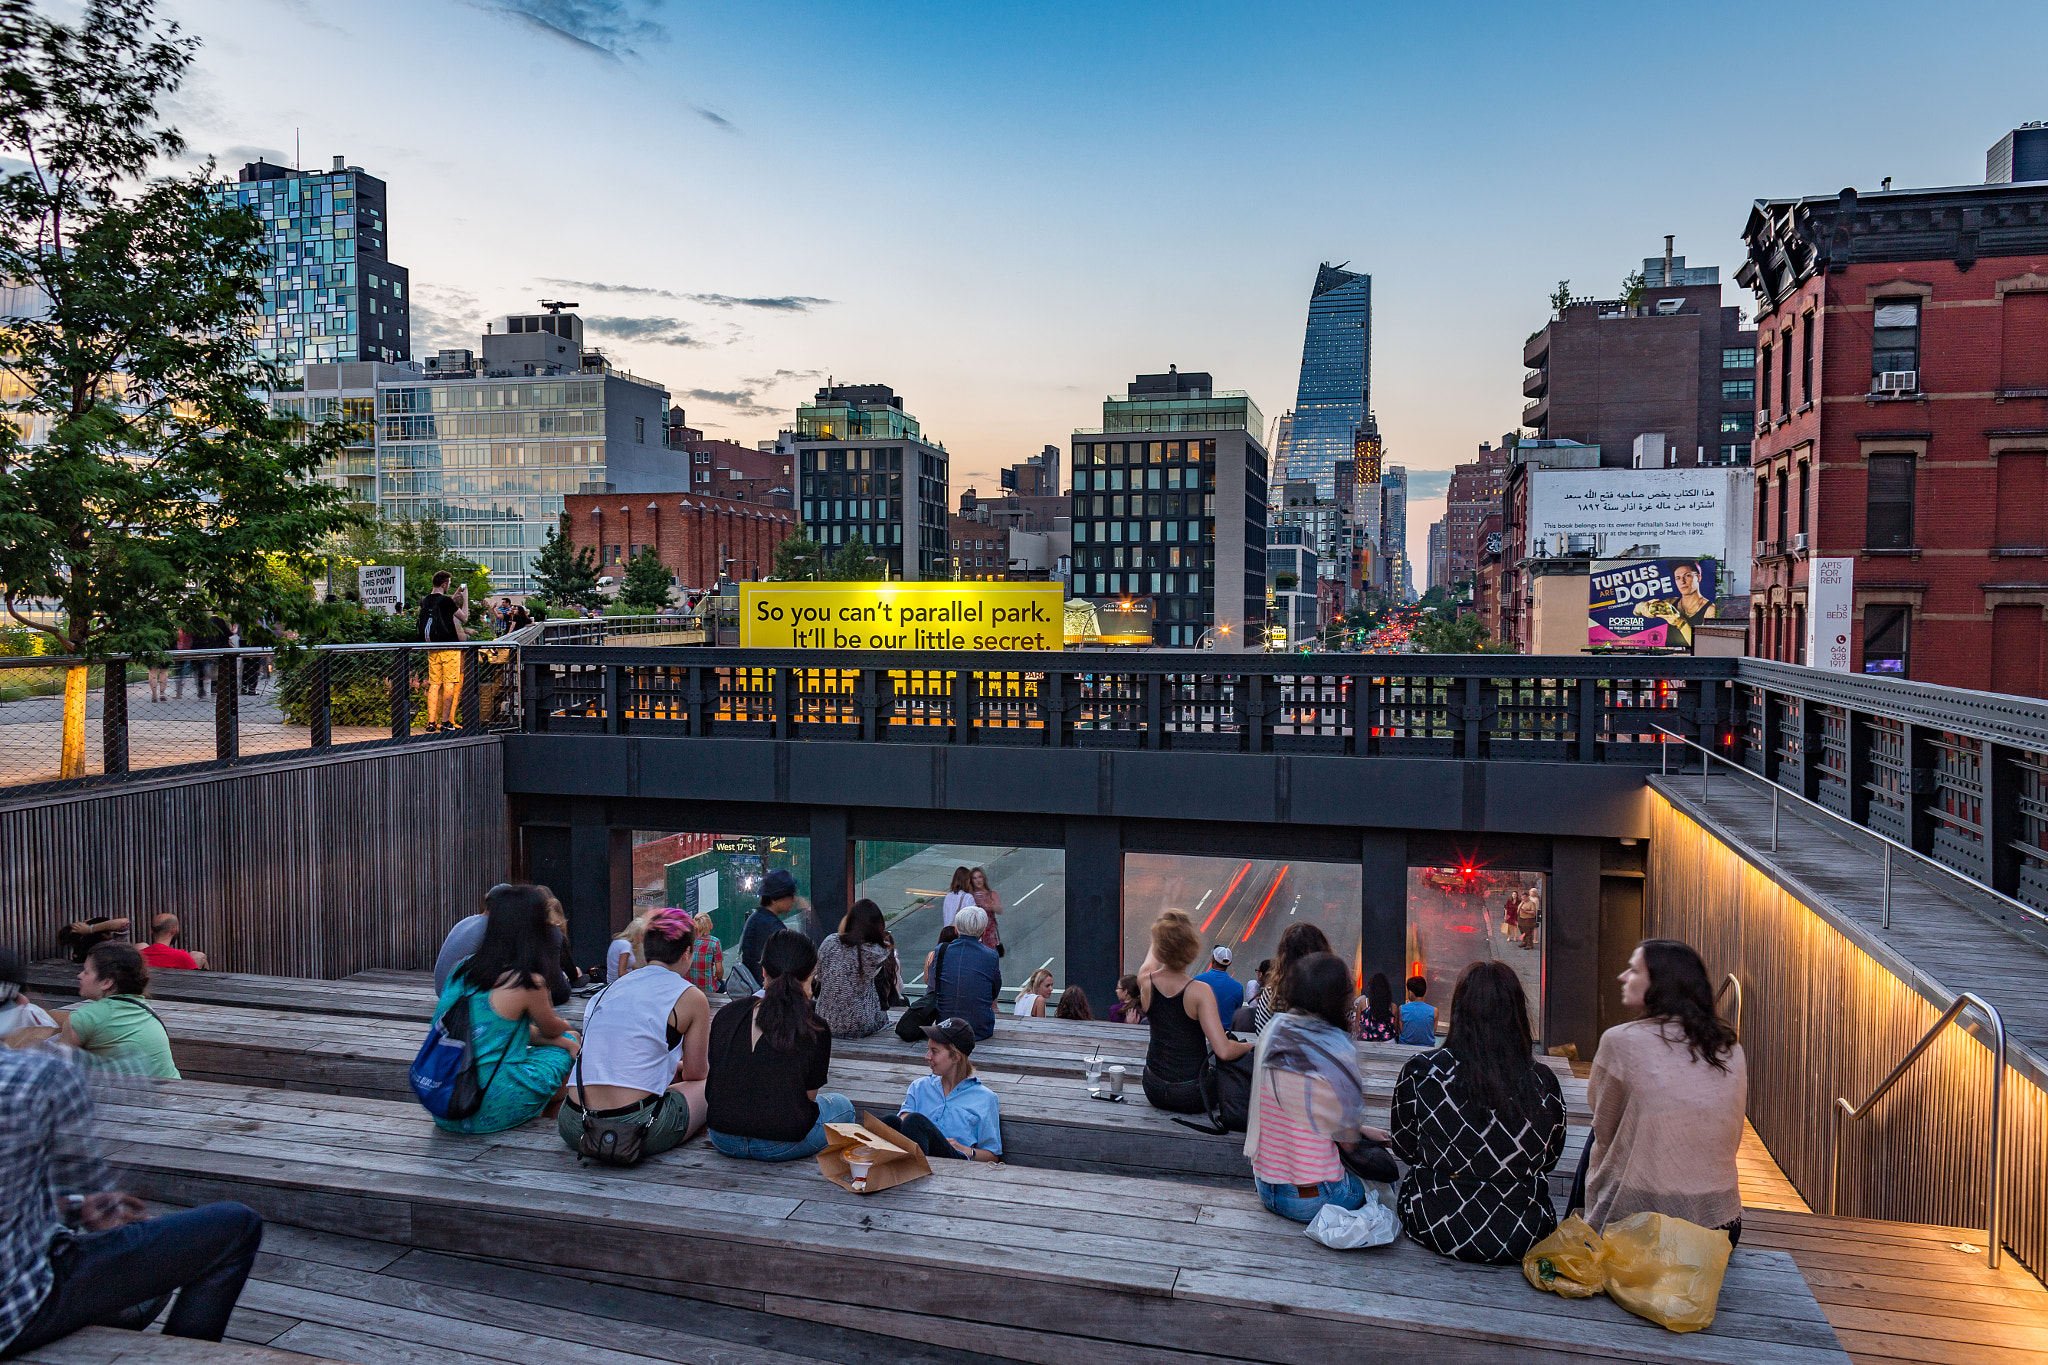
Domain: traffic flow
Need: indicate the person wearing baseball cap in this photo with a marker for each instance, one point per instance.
(1229, 995)
(778, 898)
(950, 1113)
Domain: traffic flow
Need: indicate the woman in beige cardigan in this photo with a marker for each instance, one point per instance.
(1668, 1093)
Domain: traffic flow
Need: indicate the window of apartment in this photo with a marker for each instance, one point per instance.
(1765, 395)
(1895, 338)
(1806, 359)
(640, 430)
(1785, 373)
(1738, 357)
(1738, 390)
(2022, 501)
(1888, 522)
(1763, 506)
(1737, 453)
(1784, 514)
(1735, 422)
(1886, 628)
(1805, 478)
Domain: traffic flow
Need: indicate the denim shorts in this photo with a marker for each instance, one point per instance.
(1289, 1202)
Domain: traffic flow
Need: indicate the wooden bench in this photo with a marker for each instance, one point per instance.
(1048, 1119)
(113, 1346)
(1020, 1263)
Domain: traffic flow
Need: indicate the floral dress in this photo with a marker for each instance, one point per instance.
(1371, 1030)
(846, 997)
(991, 937)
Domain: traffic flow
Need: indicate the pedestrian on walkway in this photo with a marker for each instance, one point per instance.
(442, 616)
(985, 896)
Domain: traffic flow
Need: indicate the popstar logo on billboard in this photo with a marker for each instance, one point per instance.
(1649, 603)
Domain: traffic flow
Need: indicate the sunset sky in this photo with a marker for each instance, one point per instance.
(1005, 211)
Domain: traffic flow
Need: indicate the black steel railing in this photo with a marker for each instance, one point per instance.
(1562, 709)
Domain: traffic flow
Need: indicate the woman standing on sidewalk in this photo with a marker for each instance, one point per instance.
(985, 896)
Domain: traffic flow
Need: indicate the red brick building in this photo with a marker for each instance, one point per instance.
(697, 537)
(727, 469)
(1474, 495)
(1902, 422)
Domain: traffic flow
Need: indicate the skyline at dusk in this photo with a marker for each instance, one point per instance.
(1005, 215)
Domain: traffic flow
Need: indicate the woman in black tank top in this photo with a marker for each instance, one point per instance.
(1181, 1013)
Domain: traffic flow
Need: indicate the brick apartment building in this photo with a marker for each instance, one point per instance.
(1474, 495)
(699, 538)
(1902, 422)
(1606, 372)
(727, 469)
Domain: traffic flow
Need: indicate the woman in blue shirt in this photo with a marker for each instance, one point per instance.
(950, 1113)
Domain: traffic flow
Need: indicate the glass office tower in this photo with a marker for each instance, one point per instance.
(1336, 378)
(331, 295)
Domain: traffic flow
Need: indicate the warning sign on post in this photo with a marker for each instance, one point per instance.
(902, 616)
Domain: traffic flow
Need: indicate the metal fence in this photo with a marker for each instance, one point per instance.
(1444, 706)
(203, 709)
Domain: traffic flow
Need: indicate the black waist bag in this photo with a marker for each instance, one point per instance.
(1226, 1093)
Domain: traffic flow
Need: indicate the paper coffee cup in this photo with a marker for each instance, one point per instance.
(1116, 1080)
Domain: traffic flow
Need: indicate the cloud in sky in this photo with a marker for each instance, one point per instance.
(656, 331)
(744, 402)
(716, 120)
(784, 303)
(606, 28)
(444, 317)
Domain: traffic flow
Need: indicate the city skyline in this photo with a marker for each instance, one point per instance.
(741, 236)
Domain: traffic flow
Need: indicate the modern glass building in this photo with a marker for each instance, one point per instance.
(1169, 503)
(331, 294)
(1336, 378)
(865, 470)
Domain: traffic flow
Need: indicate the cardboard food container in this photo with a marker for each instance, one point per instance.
(897, 1160)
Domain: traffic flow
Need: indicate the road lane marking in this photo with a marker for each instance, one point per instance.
(1027, 895)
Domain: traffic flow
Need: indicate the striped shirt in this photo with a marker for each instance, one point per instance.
(1290, 1153)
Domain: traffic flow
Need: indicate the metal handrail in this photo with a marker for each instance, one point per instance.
(1886, 840)
(1993, 1214)
(1726, 982)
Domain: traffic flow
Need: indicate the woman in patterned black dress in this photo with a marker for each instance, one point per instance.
(1479, 1123)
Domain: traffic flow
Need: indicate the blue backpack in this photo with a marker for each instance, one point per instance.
(443, 1075)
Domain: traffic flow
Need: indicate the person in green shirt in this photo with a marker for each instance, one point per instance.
(114, 1026)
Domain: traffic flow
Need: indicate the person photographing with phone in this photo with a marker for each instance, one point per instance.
(442, 617)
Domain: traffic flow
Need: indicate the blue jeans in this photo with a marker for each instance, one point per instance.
(1289, 1202)
(831, 1109)
(205, 1253)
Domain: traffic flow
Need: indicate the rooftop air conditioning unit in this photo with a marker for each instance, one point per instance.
(1799, 542)
(1666, 307)
(1896, 381)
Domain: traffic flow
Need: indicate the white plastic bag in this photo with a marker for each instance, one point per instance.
(1371, 1224)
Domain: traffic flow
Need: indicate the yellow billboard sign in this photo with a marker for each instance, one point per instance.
(942, 615)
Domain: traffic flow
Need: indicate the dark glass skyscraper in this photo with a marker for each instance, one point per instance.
(1336, 378)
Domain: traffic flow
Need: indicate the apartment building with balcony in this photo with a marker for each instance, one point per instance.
(1902, 425)
(1672, 362)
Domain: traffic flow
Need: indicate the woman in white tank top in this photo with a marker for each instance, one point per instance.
(647, 1037)
(1031, 1000)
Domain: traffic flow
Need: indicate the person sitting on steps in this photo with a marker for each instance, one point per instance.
(114, 1026)
(770, 1057)
(971, 980)
(950, 1113)
(646, 1044)
(1182, 1015)
(163, 950)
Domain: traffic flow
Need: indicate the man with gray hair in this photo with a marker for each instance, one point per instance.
(970, 979)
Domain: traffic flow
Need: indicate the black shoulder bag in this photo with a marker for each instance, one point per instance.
(1226, 1094)
(910, 1026)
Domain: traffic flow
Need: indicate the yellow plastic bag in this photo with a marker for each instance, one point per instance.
(1665, 1269)
(1568, 1261)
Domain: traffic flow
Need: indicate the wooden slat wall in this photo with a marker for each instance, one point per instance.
(318, 869)
(1822, 1018)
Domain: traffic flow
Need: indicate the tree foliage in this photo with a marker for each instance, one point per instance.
(142, 482)
(563, 574)
(1632, 289)
(1560, 296)
(1466, 634)
(647, 584)
(418, 547)
(853, 562)
(800, 558)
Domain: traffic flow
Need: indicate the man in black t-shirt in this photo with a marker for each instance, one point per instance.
(441, 619)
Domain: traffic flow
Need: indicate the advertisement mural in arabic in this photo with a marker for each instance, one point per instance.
(1680, 511)
(1649, 603)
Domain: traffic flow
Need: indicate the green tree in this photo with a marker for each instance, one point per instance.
(563, 574)
(1632, 289)
(162, 484)
(419, 547)
(1560, 296)
(1466, 634)
(853, 562)
(647, 584)
(799, 558)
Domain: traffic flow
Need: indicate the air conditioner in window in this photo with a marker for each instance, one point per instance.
(1799, 542)
(1895, 381)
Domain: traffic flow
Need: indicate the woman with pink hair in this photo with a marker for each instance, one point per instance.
(646, 1044)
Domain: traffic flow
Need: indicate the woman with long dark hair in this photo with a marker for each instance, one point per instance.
(1297, 942)
(523, 1049)
(1668, 1094)
(770, 1055)
(1308, 1101)
(1377, 1022)
(1479, 1123)
(848, 963)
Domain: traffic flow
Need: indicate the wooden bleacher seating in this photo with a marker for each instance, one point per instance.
(113, 1346)
(1021, 1263)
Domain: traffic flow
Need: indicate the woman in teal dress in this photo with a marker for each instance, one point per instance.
(523, 1049)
